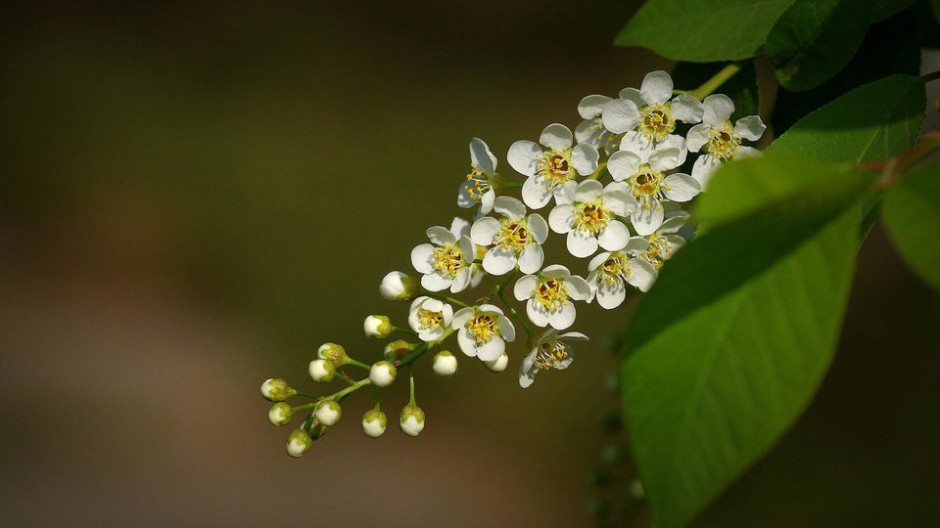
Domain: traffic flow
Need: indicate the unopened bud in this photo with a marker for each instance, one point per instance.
(397, 286)
(333, 353)
(411, 420)
(280, 414)
(499, 364)
(377, 326)
(322, 370)
(328, 412)
(445, 364)
(298, 443)
(382, 374)
(398, 349)
(276, 390)
(373, 423)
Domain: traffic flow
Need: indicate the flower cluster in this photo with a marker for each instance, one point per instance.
(613, 189)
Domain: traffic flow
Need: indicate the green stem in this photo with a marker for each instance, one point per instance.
(498, 290)
(511, 184)
(717, 80)
(308, 395)
(443, 297)
(353, 362)
(411, 384)
(932, 76)
(893, 169)
(350, 389)
(600, 169)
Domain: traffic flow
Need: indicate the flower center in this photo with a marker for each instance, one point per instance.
(659, 247)
(477, 183)
(646, 182)
(551, 354)
(429, 319)
(556, 167)
(724, 143)
(482, 328)
(592, 217)
(657, 122)
(552, 294)
(512, 235)
(447, 260)
(614, 268)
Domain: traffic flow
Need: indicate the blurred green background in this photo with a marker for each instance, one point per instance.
(194, 196)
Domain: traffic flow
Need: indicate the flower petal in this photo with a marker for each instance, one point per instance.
(588, 190)
(537, 227)
(525, 287)
(668, 157)
(561, 218)
(632, 95)
(435, 282)
(536, 314)
(557, 137)
(681, 187)
(461, 280)
(523, 156)
(656, 88)
(563, 318)
(612, 295)
(499, 261)
(642, 274)
(597, 260)
(531, 258)
(486, 204)
(506, 329)
(484, 231)
(615, 237)
(697, 137)
(674, 222)
(422, 258)
(465, 194)
(556, 271)
(638, 144)
(491, 350)
(592, 106)
(462, 316)
(581, 244)
(441, 235)
(467, 344)
(535, 193)
(528, 370)
(509, 207)
(648, 219)
(584, 159)
(623, 164)
(620, 116)
(460, 227)
(750, 127)
(481, 156)
(687, 109)
(618, 199)
(703, 168)
(578, 288)
(718, 110)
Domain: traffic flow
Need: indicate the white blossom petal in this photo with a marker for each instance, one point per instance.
(557, 137)
(620, 116)
(563, 318)
(535, 193)
(687, 109)
(681, 187)
(422, 258)
(435, 282)
(481, 156)
(509, 207)
(618, 200)
(623, 164)
(461, 280)
(441, 235)
(638, 144)
(486, 204)
(499, 261)
(561, 218)
(588, 190)
(647, 220)
(528, 370)
(592, 106)
(484, 231)
(531, 258)
(536, 314)
(578, 288)
(656, 88)
(491, 350)
(667, 158)
(642, 274)
(703, 168)
(611, 296)
(523, 156)
(750, 127)
(537, 227)
(506, 329)
(614, 237)
(697, 137)
(556, 271)
(467, 344)
(460, 227)
(525, 287)
(584, 159)
(747, 152)
(581, 244)
(718, 110)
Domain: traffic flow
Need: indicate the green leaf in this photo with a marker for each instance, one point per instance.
(729, 347)
(815, 39)
(886, 8)
(742, 88)
(911, 212)
(873, 61)
(874, 122)
(703, 30)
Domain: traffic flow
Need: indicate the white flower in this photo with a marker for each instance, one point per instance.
(398, 286)
(514, 240)
(445, 364)
(321, 370)
(591, 131)
(587, 213)
(549, 168)
(499, 364)
(478, 189)
(298, 443)
(649, 110)
(611, 271)
(445, 263)
(720, 140)
(382, 373)
(664, 243)
(328, 412)
(642, 167)
(411, 420)
(550, 351)
(550, 294)
(373, 423)
(429, 318)
(280, 414)
(482, 331)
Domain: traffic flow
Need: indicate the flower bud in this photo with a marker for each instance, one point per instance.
(328, 412)
(280, 414)
(298, 443)
(411, 420)
(377, 326)
(373, 423)
(382, 374)
(276, 390)
(397, 286)
(397, 349)
(333, 353)
(498, 364)
(321, 370)
(445, 364)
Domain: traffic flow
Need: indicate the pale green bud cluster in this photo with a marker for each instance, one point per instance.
(411, 420)
(276, 390)
(377, 326)
(373, 423)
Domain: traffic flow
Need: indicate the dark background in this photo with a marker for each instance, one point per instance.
(193, 197)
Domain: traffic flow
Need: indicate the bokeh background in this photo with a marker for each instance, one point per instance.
(194, 196)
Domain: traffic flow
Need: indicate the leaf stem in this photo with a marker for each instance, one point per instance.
(932, 76)
(893, 170)
(443, 297)
(716, 81)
